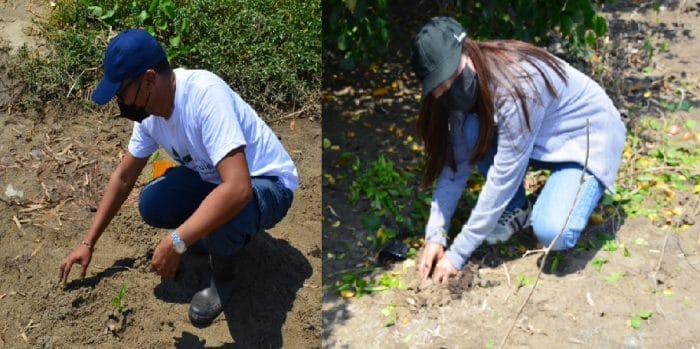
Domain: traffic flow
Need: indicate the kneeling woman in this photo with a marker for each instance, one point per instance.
(499, 107)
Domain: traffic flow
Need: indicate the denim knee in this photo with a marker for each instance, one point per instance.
(151, 209)
(547, 229)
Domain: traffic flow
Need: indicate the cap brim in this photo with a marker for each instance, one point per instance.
(105, 91)
(443, 72)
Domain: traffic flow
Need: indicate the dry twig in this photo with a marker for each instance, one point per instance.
(556, 239)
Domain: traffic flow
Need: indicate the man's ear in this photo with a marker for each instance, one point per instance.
(149, 77)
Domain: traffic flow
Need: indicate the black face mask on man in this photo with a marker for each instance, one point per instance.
(132, 112)
(463, 92)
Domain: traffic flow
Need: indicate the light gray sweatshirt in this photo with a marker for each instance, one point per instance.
(558, 135)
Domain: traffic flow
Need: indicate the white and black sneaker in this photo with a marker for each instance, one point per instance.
(510, 223)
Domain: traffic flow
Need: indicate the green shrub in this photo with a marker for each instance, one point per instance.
(357, 32)
(268, 51)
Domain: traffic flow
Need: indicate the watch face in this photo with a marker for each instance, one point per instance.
(180, 247)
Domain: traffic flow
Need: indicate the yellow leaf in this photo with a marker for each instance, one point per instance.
(670, 194)
(677, 211)
(668, 292)
(415, 147)
(336, 224)
(610, 210)
(347, 294)
(379, 92)
(627, 153)
(373, 67)
(647, 94)
(596, 219)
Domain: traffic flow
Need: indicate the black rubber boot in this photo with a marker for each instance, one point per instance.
(208, 303)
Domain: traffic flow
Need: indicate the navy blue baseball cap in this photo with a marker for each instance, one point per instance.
(128, 55)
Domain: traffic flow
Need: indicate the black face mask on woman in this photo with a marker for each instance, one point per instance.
(463, 92)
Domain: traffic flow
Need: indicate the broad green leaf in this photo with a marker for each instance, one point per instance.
(635, 322)
(644, 314)
(142, 16)
(96, 11)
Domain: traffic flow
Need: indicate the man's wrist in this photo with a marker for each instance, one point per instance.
(178, 244)
(89, 245)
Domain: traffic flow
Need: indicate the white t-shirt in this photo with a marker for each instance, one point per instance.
(208, 121)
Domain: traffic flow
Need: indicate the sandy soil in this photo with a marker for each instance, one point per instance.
(61, 159)
(577, 306)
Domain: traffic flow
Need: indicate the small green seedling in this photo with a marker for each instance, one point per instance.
(390, 314)
(636, 320)
(556, 261)
(615, 276)
(610, 246)
(524, 280)
(118, 301)
(598, 263)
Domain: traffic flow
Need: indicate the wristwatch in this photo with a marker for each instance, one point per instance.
(178, 244)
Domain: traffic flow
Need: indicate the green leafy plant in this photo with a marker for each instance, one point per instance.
(356, 29)
(359, 30)
(269, 51)
(118, 302)
(524, 280)
(635, 320)
(615, 276)
(610, 246)
(597, 263)
(393, 201)
(353, 284)
(390, 314)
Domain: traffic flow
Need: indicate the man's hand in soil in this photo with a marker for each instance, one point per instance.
(80, 255)
(165, 260)
(431, 254)
(443, 271)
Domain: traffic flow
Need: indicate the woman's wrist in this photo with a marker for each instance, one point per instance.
(438, 236)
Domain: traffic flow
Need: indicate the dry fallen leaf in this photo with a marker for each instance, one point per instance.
(596, 219)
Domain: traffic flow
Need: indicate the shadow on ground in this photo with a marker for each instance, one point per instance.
(270, 273)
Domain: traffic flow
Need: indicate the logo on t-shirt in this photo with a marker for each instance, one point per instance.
(182, 160)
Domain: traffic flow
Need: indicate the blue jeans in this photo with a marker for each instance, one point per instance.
(556, 199)
(171, 199)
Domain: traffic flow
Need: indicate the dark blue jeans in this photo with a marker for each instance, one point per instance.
(171, 199)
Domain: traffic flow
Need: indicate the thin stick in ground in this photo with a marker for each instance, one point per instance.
(556, 239)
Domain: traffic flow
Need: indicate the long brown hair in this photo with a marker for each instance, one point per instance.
(497, 65)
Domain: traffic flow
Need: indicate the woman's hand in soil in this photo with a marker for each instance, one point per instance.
(80, 255)
(443, 271)
(165, 260)
(431, 254)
